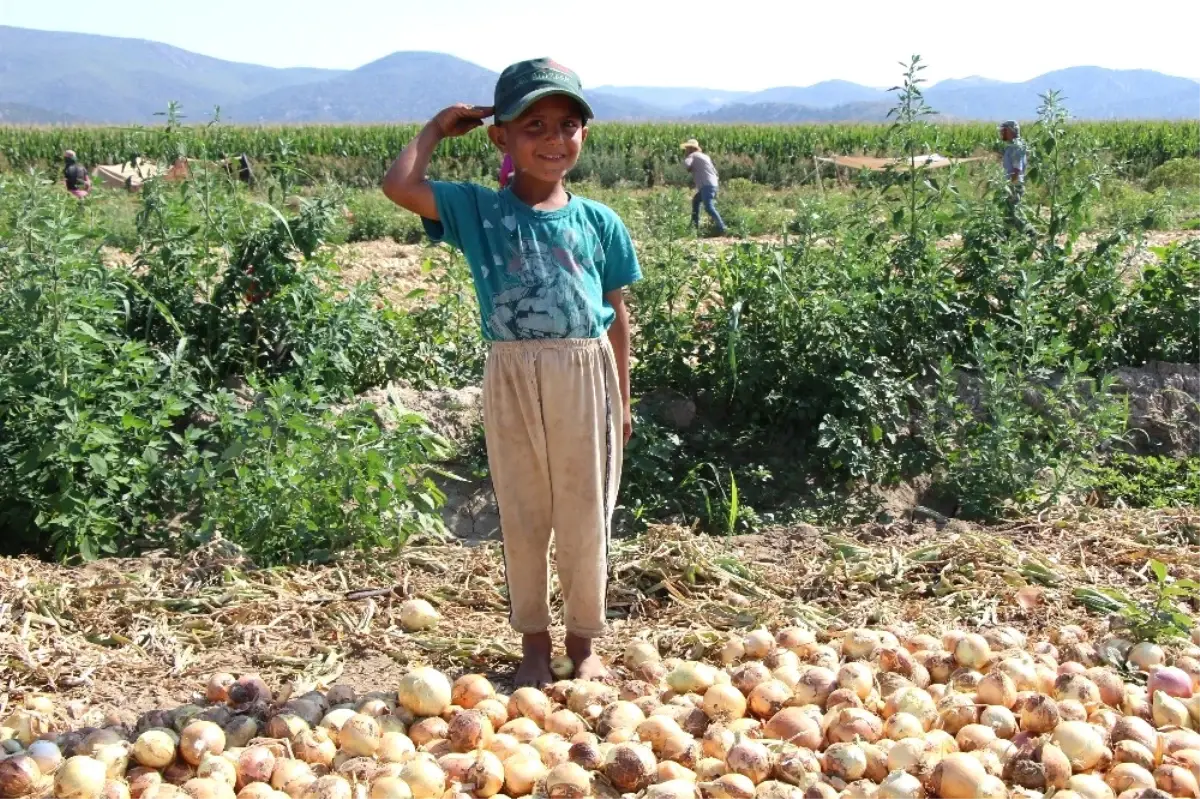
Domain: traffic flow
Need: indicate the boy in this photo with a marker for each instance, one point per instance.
(704, 175)
(549, 270)
(1014, 169)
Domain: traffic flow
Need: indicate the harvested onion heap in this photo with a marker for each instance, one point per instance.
(866, 713)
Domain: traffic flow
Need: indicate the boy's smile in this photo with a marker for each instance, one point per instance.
(545, 141)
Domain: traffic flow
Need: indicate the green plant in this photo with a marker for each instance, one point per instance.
(1155, 619)
(1178, 173)
(1148, 481)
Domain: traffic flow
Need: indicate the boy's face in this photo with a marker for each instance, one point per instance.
(1006, 134)
(545, 141)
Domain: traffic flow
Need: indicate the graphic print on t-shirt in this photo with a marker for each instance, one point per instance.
(549, 300)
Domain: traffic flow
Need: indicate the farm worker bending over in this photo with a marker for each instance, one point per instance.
(704, 174)
(1014, 169)
(506, 171)
(79, 182)
(549, 268)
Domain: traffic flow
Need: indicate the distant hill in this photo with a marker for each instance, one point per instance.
(108, 79)
(22, 114)
(401, 87)
(1089, 93)
(49, 77)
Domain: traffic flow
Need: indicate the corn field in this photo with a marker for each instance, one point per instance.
(642, 152)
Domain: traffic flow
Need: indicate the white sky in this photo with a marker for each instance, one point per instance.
(751, 44)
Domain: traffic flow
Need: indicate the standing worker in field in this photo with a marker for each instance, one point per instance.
(704, 175)
(550, 270)
(79, 182)
(1014, 161)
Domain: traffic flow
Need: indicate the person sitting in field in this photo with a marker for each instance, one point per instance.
(79, 182)
(704, 175)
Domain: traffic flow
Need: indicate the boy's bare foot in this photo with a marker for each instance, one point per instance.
(588, 665)
(534, 671)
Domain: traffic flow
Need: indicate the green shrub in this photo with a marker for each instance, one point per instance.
(1148, 481)
(1178, 173)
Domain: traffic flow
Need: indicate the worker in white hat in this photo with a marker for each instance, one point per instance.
(79, 182)
(1014, 162)
(704, 175)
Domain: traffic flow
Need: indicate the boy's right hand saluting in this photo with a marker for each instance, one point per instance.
(460, 119)
(405, 182)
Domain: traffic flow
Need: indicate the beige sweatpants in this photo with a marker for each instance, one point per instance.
(552, 416)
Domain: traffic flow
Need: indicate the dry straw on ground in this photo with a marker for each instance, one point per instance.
(128, 635)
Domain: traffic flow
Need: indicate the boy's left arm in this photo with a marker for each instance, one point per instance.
(618, 337)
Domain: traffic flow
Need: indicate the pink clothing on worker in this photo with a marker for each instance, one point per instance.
(506, 170)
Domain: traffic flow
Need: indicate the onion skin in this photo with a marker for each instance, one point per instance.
(630, 767)
(19, 775)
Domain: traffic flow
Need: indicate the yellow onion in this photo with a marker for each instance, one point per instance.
(315, 746)
(424, 777)
(568, 781)
(208, 788)
(771, 789)
(1127, 777)
(216, 767)
(19, 775)
(860, 644)
(768, 698)
(856, 676)
(1176, 781)
(1000, 719)
(528, 703)
(794, 725)
(471, 689)
(916, 702)
(485, 775)
(1167, 711)
(816, 683)
(1145, 655)
(471, 730)
(619, 715)
(750, 759)
(424, 692)
(846, 761)
(732, 651)
(1039, 766)
(79, 777)
(154, 748)
(387, 787)
(640, 653)
(717, 741)
(417, 614)
(630, 767)
(255, 764)
(903, 725)
(997, 688)
(911, 755)
(1087, 786)
(956, 711)
(849, 723)
(668, 770)
(797, 640)
(430, 730)
(749, 676)
(958, 776)
(709, 768)
(690, 677)
(974, 736)
(1039, 714)
(900, 785)
(1081, 743)
(200, 737)
(728, 786)
(522, 773)
(758, 644)
(724, 703)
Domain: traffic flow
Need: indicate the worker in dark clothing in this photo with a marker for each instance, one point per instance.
(245, 174)
(79, 182)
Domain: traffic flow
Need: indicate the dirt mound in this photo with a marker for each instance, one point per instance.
(1164, 407)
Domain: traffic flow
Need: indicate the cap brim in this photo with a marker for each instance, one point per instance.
(522, 105)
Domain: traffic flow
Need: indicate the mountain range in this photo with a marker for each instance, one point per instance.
(53, 77)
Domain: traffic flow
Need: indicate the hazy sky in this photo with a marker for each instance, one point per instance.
(751, 44)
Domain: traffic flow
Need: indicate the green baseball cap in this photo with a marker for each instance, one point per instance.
(524, 83)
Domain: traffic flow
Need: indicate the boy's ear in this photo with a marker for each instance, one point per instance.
(496, 134)
(583, 133)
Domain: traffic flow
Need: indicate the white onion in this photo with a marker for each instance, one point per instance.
(1080, 742)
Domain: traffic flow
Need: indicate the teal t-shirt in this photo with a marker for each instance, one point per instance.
(537, 274)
